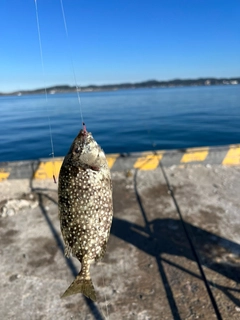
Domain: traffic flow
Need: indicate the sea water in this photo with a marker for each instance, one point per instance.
(121, 121)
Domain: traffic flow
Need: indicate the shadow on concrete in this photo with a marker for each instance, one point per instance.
(41, 194)
(167, 236)
(161, 236)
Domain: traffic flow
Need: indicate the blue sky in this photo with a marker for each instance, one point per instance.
(115, 41)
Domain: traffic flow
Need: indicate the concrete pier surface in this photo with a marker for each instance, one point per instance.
(173, 253)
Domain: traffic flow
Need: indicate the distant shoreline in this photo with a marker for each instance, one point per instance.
(113, 87)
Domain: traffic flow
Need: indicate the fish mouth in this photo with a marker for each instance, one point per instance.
(83, 134)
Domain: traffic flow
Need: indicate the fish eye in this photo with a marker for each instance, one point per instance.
(77, 150)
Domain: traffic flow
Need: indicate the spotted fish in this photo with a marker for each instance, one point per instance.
(85, 207)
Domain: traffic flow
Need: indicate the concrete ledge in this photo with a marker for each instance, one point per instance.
(169, 223)
(45, 168)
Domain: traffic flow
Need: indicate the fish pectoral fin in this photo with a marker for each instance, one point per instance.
(81, 286)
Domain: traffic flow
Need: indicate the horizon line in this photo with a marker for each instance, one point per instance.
(145, 82)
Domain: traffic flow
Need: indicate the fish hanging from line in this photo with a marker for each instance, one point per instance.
(85, 207)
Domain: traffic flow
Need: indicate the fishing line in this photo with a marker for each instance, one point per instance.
(45, 89)
(190, 241)
(191, 244)
(78, 88)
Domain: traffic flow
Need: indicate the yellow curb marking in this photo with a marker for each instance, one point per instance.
(194, 156)
(149, 162)
(47, 169)
(3, 174)
(197, 149)
(111, 158)
(233, 157)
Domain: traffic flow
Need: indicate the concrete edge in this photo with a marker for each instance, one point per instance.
(45, 168)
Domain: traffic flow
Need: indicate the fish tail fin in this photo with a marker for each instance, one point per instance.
(81, 285)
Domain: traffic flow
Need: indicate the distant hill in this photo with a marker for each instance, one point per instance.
(137, 85)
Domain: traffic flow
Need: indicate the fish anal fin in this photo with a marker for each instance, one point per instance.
(102, 252)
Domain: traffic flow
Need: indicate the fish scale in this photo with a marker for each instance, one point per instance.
(85, 207)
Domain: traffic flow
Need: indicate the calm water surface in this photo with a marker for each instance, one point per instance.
(121, 121)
